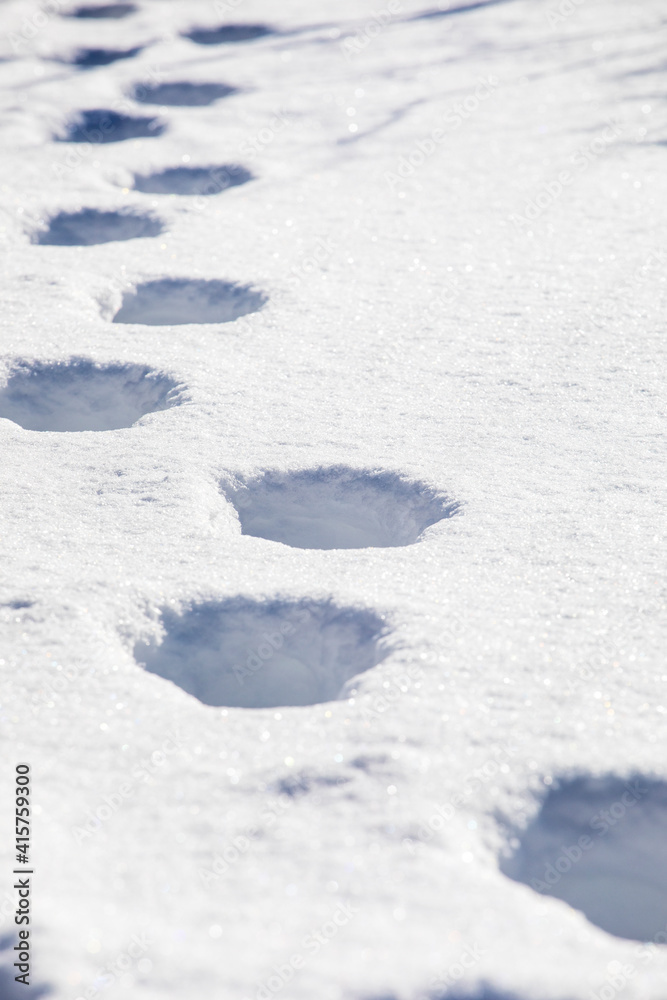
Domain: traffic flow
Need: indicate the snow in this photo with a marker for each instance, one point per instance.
(441, 275)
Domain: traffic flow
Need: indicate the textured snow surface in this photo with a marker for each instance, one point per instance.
(332, 524)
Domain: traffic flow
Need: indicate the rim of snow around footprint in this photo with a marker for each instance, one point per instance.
(336, 507)
(600, 845)
(248, 653)
(178, 301)
(81, 395)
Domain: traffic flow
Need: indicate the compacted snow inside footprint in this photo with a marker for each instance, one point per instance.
(253, 654)
(336, 508)
(175, 301)
(600, 844)
(81, 396)
(89, 227)
(92, 58)
(192, 180)
(182, 95)
(113, 11)
(228, 34)
(100, 125)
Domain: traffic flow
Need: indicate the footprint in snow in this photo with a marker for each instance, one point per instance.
(79, 395)
(110, 10)
(243, 653)
(91, 58)
(182, 95)
(176, 301)
(99, 125)
(600, 844)
(192, 180)
(336, 507)
(228, 34)
(89, 226)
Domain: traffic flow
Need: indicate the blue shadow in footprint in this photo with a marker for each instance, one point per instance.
(98, 125)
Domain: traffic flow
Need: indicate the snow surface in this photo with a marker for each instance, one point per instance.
(444, 267)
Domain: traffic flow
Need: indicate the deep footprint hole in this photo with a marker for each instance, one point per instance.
(336, 508)
(91, 58)
(88, 227)
(79, 395)
(192, 180)
(175, 301)
(600, 844)
(228, 34)
(98, 125)
(182, 95)
(251, 654)
(115, 11)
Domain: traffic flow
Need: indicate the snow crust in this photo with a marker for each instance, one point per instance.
(442, 275)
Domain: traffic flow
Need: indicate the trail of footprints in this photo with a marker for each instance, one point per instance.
(599, 844)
